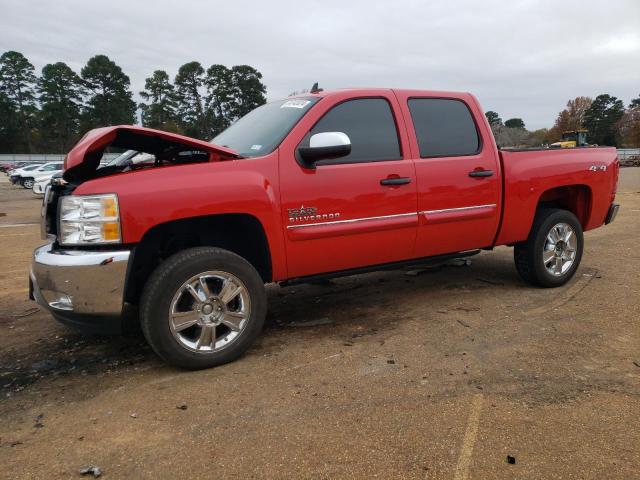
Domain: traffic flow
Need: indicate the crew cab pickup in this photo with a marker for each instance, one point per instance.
(314, 186)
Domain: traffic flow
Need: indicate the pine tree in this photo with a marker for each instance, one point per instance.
(191, 109)
(61, 94)
(601, 117)
(110, 101)
(160, 111)
(17, 84)
(220, 97)
(249, 91)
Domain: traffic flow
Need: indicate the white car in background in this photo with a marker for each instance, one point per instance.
(131, 157)
(15, 174)
(40, 182)
(26, 176)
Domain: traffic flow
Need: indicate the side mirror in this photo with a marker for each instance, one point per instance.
(325, 146)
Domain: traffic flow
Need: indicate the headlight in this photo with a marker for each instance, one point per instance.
(89, 219)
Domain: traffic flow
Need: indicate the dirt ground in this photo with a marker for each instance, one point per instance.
(444, 374)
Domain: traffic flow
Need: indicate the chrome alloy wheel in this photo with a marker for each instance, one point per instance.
(559, 251)
(209, 311)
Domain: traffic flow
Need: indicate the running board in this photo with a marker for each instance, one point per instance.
(424, 261)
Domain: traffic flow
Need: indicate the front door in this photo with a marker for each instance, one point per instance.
(356, 210)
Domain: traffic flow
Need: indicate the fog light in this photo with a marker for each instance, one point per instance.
(62, 301)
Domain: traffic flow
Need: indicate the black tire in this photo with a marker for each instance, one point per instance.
(28, 183)
(165, 282)
(528, 255)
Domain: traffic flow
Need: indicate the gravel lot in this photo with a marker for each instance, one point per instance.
(443, 374)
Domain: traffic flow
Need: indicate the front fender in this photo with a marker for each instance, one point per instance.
(148, 198)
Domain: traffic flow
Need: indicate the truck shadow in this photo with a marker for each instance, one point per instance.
(364, 304)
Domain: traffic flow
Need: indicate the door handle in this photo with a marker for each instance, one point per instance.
(395, 181)
(481, 173)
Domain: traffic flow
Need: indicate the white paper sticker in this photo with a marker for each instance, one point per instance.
(256, 147)
(295, 104)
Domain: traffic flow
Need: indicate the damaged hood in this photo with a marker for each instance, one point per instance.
(83, 160)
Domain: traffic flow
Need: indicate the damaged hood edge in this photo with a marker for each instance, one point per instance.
(84, 158)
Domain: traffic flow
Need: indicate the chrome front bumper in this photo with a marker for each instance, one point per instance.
(79, 282)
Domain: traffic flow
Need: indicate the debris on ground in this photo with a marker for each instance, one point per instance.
(311, 323)
(468, 309)
(463, 324)
(182, 406)
(511, 460)
(391, 361)
(134, 415)
(39, 423)
(26, 313)
(490, 282)
(637, 364)
(91, 469)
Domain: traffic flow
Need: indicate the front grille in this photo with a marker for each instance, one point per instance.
(49, 213)
(47, 221)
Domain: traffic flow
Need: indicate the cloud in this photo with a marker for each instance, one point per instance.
(521, 58)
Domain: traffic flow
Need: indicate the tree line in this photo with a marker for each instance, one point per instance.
(50, 112)
(605, 119)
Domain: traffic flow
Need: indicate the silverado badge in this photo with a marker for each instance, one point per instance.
(309, 214)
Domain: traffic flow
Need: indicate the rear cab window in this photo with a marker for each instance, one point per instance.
(444, 127)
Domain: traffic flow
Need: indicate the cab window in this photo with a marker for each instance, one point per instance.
(369, 124)
(444, 127)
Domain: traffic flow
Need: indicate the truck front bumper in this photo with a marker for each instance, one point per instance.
(79, 287)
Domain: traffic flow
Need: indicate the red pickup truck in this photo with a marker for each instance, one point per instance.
(314, 186)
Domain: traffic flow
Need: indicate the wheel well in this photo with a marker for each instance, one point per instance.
(575, 198)
(239, 233)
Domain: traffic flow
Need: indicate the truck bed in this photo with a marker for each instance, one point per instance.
(582, 176)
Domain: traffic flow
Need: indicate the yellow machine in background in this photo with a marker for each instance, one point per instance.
(571, 139)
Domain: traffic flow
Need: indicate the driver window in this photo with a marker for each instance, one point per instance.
(369, 124)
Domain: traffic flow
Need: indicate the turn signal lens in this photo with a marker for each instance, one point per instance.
(111, 231)
(109, 207)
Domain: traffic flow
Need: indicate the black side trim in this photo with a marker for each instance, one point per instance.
(376, 268)
(611, 214)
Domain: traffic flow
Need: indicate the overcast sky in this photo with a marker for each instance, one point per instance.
(521, 58)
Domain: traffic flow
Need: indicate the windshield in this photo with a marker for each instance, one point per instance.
(123, 157)
(260, 131)
(32, 167)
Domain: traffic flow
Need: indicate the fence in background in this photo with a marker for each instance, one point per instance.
(42, 157)
(628, 153)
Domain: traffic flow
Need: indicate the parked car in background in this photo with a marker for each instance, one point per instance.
(16, 173)
(5, 167)
(40, 182)
(26, 176)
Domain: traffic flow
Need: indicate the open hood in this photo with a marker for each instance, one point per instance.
(82, 162)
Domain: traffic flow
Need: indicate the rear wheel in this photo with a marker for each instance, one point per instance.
(202, 307)
(552, 253)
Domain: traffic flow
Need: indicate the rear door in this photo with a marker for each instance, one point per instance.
(458, 174)
(345, 213)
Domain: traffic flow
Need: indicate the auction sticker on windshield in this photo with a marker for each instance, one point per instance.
(295, 104)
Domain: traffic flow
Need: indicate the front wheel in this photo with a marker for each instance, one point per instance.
(28, 183)
(552, 253)
(202, 307)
